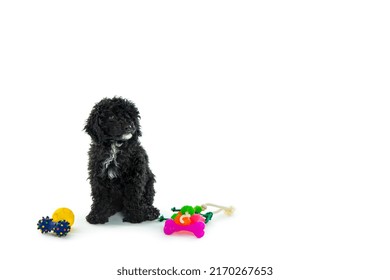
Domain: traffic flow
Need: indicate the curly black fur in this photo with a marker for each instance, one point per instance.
(119, 172)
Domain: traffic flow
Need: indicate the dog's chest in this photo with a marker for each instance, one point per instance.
(110, 164)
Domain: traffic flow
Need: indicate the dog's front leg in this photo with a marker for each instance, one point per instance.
(133, 209)
(101, 208)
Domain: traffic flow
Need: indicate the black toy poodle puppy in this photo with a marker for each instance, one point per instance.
(119, 172)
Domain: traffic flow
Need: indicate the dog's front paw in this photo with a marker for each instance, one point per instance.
(93, 218)
(134, 219)
(152, 213)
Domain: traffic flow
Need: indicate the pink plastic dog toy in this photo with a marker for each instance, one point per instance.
(191, 219)
(196, 228)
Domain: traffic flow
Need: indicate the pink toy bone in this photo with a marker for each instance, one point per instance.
(197, 228)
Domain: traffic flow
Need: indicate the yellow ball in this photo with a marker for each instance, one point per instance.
(63, 214)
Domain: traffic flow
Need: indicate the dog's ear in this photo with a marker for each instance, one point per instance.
(135, 116)
(92, 126)
(139, 132)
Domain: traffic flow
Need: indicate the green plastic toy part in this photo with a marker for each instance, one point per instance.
(187, 209)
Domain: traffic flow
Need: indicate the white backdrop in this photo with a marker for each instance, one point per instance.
(280, 108)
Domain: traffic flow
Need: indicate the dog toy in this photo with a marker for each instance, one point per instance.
(197, 228)
(60, 223)
(63, 214)
(191, 219)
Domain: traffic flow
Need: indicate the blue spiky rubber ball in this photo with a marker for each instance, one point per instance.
(45, 224)
(61, 228)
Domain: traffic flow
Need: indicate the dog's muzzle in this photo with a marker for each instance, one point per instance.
(126, 136)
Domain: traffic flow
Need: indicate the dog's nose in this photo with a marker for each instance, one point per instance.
(129, 128)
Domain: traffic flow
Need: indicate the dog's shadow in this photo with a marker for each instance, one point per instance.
(116, 219)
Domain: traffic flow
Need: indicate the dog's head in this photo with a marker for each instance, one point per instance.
(113, 119)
